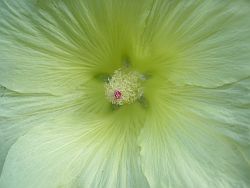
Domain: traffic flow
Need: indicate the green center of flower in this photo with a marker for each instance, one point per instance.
(124, 87)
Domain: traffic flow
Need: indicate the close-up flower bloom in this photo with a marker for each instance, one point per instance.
(124, 94)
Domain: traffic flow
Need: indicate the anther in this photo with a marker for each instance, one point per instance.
(124, 87)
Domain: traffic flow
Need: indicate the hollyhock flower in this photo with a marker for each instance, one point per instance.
(124, 94)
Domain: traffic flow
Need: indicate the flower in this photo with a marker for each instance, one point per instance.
(124, 94)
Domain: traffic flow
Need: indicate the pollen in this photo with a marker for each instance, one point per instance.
(124, 87)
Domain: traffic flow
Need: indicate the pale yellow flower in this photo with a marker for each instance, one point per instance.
(124, 94)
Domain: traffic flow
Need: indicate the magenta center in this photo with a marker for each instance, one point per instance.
(117, 94)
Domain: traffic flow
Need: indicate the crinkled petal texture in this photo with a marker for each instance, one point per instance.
(92, 154)
(192, 128)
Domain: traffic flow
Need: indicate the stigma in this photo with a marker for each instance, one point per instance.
(117, 94)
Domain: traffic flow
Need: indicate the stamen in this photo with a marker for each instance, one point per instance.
(124, 87)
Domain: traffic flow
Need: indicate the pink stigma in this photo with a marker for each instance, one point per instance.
(117, 94)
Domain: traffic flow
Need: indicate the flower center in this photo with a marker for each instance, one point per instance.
(124, 87)
(117, 94)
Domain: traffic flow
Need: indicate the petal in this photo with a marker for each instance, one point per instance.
(198, 43)
(29, 61)
(43, 157)
(116, 161)
(19, 112)
(57, 46)
(199, 137)
(93, 153)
